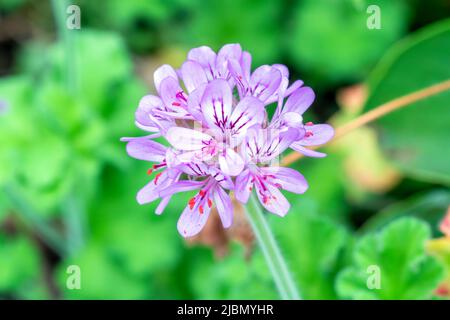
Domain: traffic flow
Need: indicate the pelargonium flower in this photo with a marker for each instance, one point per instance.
(219, 137)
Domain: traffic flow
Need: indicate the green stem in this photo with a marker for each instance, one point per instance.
(65, 35)
(275, 261)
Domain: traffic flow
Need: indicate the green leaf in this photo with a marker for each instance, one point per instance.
(331, 41)
(311, 244)
(416, 138)
(430, 207)
(101, 277)
(397, 255)
(19, 264)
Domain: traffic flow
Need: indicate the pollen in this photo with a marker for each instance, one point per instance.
(157, 177)
(176, 104)
(209, 203)
(309, 124)
(149, 171)
(191, 203)
(200, 209)
(202, 193)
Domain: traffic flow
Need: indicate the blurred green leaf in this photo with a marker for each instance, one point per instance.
(19, 264)
(255, 24)
(101, 277)
(405, 271)
(430, 207)
(230, 278)
(311, 244)
(416, 138)
(331, 41)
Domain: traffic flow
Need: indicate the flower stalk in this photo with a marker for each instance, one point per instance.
(272, 254)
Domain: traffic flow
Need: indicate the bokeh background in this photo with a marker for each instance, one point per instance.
(68, 188)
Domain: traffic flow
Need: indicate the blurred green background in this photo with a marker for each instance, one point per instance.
(68, 188)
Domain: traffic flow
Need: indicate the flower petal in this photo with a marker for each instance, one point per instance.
(305, 151)
(143, 116)
(224, 207)
(148, 150)
(193, 75)
(321, 133)
(148, 193)
(169, 89)
(265, 81)
(276, 203)
(243, 186)
(186, 139)
(205, 56)
(289, 179)
(216, 104)
(248, 112)
(162, 73)
(192, 221)
(300, 100)
(231, 163)
(181, 186)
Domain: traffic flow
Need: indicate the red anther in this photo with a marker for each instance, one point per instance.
(202, 193)
(176, 104)
(250, 188)
(200, 209)
(191, 203)
(209, 203)
(149, 171)
(309, 123)
(309, 134)
(157, 177)
(266, 200)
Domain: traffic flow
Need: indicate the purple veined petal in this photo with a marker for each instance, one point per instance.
(255, 140)
(143, 113)
(169, 91)
(194, 101)
(240, 78)
(162, 73)
(277, 142)
(288, 178)
(230, 162)
(216, 104)
(186, 139)
(243, 187)
(300, 100)
(294, 86)
(248, 112)
(148, 150)
(307, 152)
(195, 156)
(317, 134)
(264, 82)
(193, 75)
(195, 169)
(206, 57)
(224, 206)
(178, 114)
(273, 200)
(192, 221)
(226, 53)
(181, 186)
(224, 180)
(162, 205)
